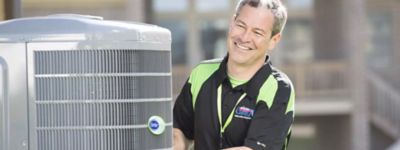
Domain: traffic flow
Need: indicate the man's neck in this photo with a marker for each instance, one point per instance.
(242, 72)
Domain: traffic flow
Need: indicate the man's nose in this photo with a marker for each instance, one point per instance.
(246, 36)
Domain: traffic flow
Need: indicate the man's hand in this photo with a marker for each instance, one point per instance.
(180, 141)
(238, 148)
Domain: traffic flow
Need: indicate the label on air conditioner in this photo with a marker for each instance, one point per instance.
(156, 125)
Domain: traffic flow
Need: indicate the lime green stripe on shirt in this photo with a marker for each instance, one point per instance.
(268, 90)
(198, 76)
(291, 102)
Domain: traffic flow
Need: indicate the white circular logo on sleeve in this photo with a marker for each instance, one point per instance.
(156, 125)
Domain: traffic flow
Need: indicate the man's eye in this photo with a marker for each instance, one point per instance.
(240, 26)
(259, 34)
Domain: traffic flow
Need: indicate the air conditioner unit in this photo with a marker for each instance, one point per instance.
(73, 82)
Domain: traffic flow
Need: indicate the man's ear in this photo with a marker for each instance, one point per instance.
(234, 17)
(274, 41)
(232, 22)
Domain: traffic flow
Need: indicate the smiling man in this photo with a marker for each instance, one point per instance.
(239, 102)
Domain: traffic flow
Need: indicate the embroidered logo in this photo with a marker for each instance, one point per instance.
(244, 112)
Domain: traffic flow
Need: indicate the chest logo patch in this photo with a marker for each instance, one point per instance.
(244, 113)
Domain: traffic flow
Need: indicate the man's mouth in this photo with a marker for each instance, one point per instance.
(242, 46)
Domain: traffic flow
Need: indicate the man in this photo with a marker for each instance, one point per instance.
(240, 102)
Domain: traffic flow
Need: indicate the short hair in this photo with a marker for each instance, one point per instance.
(276, 7)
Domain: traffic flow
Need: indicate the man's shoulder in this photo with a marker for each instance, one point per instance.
(204, 70)
(276, 89)
(281, 77)
(207, 65)
(285, 92)
(212, 61)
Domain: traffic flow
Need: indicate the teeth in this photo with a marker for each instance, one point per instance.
(242, 47)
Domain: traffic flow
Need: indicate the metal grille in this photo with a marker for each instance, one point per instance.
(107, 87)
(101, 139)
(101, 61)
(101, 99)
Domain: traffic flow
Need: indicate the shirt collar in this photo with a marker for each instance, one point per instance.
(254, 84)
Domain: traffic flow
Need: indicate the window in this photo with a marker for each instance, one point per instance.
(213, 38)
(297, 42)
(170, 5)
(300, 4)
(381, 45)
(178, 48)
(212, 5)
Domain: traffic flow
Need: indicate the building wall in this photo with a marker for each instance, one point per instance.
(131, 10)
(379, 140)
(2, 10)
(384, 32)
(328, 30)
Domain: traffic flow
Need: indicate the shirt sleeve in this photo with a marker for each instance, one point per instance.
(270, 127)
(183, 112)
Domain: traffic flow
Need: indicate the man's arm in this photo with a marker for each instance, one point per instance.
(183, 116)
(270, 126)
(180, 141)
(238, 148)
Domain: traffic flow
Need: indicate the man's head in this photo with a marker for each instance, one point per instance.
(254, 30)
(275, 6)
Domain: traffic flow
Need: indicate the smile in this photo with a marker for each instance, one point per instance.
(242, 47)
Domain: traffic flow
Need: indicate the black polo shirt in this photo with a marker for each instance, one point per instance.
(261, 120)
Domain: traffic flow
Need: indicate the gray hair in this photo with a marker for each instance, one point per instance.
(276, 7)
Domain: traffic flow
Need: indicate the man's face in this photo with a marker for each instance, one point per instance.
(249, 36)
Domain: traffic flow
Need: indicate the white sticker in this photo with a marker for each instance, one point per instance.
(156, 125)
